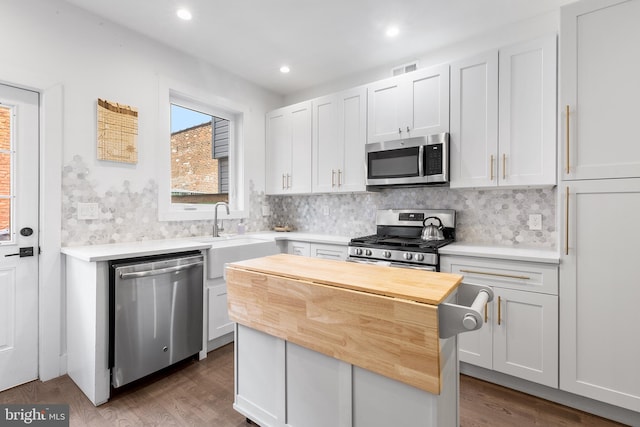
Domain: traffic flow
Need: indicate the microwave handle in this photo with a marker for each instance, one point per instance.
(421, 160)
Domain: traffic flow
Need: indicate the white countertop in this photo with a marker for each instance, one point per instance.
(93, 253)
(502, 252)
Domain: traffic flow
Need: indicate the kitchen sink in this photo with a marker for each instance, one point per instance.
(232, 249)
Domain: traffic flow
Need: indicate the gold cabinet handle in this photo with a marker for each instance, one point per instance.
(567, 153)
(504, 166)
(566, 222)
(333, 178)
(486, 273)
(499, 311)
(288, 181)
(486, 314)
(339, 177)
(284, 185)
(492, 167)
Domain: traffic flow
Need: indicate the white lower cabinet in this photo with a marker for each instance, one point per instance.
(317, 250)
(299, 248)
(520, 335)
(219, 323)
(281, 384)
(328, 251)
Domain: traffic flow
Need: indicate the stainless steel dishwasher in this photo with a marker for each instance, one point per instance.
(155, 313)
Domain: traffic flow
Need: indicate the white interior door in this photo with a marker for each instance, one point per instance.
(18, 233)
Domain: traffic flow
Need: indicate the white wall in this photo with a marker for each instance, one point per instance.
(525, 30)
(73, 58)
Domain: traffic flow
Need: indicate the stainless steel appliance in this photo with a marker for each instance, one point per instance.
(398, 240)
(155, 314)
(408, 162)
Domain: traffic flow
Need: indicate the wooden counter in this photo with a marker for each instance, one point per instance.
(382, 319)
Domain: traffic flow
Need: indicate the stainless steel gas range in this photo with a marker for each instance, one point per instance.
(398, 240)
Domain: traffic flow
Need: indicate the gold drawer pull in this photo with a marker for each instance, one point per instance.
(510, 276)
(486, 315)
(499, 311)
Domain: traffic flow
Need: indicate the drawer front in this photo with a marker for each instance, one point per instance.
(326, 251)
(529, 276)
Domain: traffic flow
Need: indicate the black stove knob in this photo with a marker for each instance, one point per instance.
(368, 252)
(407, 256)
(358, 251)
(419, 257)
(386, 254)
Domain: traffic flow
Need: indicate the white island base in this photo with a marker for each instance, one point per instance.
(278, 383)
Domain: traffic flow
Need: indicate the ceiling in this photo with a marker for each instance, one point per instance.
(320, 40)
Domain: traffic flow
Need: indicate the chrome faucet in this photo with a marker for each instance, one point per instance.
(216, 229)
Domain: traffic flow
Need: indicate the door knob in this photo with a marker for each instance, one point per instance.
(26, 231)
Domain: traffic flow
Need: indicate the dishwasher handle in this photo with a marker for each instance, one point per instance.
(158, 271)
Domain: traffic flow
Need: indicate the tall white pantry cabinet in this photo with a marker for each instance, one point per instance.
(600, 200)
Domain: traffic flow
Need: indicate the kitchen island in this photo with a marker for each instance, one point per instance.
(322, 342)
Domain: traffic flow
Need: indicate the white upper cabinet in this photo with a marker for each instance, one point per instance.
(339, 136)
(288, 150)
(410, 105)
(503, 117)
(527, 113)
(600, 68)
(474, 121)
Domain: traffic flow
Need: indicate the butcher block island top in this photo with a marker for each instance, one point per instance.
(383, 319)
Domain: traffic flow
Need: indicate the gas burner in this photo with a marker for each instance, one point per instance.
(398, 239)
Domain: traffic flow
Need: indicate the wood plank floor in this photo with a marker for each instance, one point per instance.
(201, 394)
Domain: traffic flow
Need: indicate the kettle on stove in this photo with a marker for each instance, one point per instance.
(432, 232)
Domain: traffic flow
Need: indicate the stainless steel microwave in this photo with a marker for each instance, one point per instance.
(408, 162)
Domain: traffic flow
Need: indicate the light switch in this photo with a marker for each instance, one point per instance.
(88, 211)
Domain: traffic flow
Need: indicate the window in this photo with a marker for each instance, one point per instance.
(199, 157)
(200, 161)
(6, 170)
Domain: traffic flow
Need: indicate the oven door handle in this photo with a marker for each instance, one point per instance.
(421, 160)
(454, 319)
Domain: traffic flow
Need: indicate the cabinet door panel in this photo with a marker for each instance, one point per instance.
(528, 113)
(600, 293)
(600, 63)
(219, 323)
(278, 151)
(300, 180)
(427, 101)
(474, 121)
(384, 115)
(326, 146)
(526, 340)
(352, 124)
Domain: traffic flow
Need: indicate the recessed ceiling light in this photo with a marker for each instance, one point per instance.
(184, 14)
(284, 69)
(392, 31)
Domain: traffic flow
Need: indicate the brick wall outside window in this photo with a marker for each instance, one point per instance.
(192, 167)
(5, 168)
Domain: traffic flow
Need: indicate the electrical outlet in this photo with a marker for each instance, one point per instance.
(325, 211)
(88, 211)
(266, 210)
(535, 222)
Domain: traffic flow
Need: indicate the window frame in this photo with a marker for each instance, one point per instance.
(12, 152)
(179, 94)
